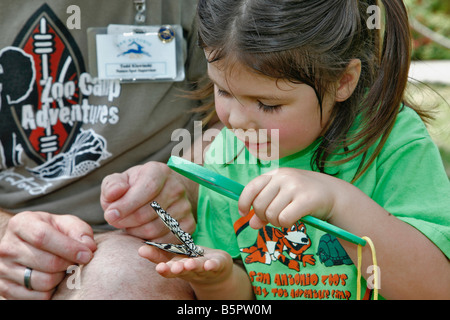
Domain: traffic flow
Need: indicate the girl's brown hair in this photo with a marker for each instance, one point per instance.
(312, 42)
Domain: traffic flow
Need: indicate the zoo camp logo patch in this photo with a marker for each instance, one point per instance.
(44, 104)
(57, 63)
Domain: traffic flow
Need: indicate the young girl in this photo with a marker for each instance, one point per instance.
(345, 148)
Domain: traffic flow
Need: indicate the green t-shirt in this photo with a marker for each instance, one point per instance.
(407, 179)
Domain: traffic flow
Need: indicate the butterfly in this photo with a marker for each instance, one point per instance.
(187, 247)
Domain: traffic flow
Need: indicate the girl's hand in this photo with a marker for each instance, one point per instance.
(215, 266)
(283, 196)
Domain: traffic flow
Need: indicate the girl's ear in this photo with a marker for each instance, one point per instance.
(348, 81)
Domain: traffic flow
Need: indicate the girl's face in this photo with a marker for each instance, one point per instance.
(289, 113)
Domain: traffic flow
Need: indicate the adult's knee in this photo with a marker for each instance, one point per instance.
(118, 272)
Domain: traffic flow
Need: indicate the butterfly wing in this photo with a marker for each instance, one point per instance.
(173, 248)
(184, 237)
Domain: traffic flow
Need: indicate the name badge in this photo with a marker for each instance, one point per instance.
(140, 53)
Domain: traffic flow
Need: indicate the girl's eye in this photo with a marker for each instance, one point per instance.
(261, 106)
(267, 108)
(222, 93)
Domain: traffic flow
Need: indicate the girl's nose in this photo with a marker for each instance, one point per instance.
(241, 117)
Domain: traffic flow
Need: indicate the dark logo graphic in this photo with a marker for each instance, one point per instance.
(39, 79)
(43, 88)
(135, 49)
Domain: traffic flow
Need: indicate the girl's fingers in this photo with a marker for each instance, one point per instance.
(250, 192)
(263, 200)
(289, 215)
(276, 210)
(186, 268)
(190, 269)
(256, 223)
(153, 254)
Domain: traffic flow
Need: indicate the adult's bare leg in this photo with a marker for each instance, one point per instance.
(118, 272)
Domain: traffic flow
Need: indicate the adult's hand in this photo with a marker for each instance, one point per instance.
(126, 196)
(47, 244)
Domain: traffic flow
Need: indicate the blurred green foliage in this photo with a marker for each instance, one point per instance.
(435, 97)
(434, 14)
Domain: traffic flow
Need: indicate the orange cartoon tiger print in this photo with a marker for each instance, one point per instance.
(272, 242)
